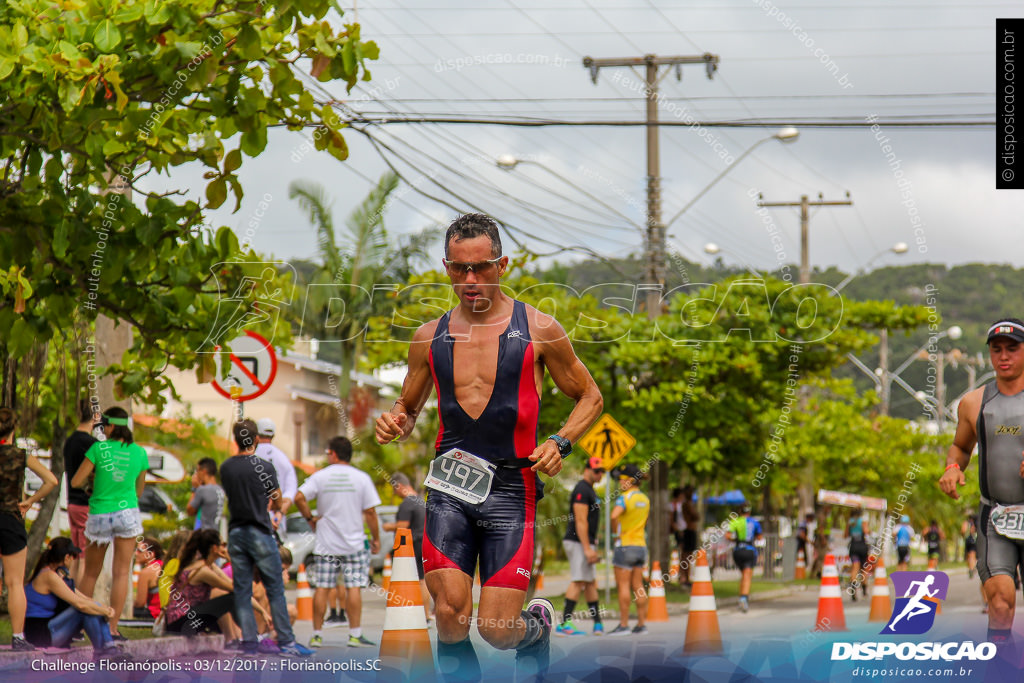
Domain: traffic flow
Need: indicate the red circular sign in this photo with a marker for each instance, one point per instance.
(253, 368)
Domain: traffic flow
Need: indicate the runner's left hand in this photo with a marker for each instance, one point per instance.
(547, 458)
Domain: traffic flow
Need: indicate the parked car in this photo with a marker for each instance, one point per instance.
(300, 539)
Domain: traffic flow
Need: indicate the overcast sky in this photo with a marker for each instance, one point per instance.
(922, 61)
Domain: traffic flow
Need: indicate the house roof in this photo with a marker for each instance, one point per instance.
(301, 362)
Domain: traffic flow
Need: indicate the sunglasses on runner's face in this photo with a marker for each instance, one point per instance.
(462, 269)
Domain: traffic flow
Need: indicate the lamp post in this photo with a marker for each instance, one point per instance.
(787, 134)
(898, 248)
(887, 377)
(508, 162)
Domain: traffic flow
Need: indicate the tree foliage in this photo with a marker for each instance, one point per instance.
(95, 95)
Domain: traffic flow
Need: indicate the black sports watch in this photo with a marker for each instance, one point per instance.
(564, 445)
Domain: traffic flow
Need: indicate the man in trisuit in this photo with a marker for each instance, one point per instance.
(992, 417)
(486, 358)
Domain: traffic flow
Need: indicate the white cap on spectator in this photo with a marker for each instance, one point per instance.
(265, 426)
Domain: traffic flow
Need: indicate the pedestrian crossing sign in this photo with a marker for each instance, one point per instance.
(608, 440)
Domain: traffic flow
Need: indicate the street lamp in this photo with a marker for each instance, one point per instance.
(787, 134)
(898, 248)
(508, 162)
(713, 249)
(887, 377)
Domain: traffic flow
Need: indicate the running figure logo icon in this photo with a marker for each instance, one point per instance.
(914, 613)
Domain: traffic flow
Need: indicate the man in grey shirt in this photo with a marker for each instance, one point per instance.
(208, 497)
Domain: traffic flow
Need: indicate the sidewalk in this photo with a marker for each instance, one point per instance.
(374, 602)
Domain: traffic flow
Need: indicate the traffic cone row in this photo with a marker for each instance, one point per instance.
(801, 565)
(881, 601)
(657, 606)
(673, 572)
(304, 601)
(538, 569)
(405, 642)
(702, 632)
(830, 600)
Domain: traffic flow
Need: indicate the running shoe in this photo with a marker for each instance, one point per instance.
(745, 604)
(534, 659)
(293, 649)
(620, 630)
(21, 645)
(639, 630)
(118, 638)
(316, 641)
(353, 641)
(568, 629)
(335, 621)
(599, 629)
(268, 647)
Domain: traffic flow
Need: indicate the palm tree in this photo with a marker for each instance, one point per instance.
(341, 302)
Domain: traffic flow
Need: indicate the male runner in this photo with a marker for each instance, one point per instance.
(992, 417)
(486, 358)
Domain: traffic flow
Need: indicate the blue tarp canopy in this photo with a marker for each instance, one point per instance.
(728, 498)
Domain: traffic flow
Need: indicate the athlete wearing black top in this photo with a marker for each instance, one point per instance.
(487, 359)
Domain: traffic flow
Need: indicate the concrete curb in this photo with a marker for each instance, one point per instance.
(166, 647)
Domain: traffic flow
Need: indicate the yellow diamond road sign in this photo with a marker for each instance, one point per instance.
(607, 440)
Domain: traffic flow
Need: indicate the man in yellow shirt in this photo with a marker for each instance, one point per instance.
(629, 522)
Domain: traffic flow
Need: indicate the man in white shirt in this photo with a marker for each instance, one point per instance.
(346, 498)
(276, 457)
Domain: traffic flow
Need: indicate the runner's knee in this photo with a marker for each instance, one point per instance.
(499, 634)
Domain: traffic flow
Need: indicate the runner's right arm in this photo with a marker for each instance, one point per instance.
(400, 420)
(963, 443)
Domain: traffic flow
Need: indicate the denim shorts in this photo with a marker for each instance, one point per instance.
(101, 529)
(629, 556)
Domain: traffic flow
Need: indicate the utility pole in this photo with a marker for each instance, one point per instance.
(654, 275)
(805, 492)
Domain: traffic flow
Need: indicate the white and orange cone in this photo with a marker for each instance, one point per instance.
(830, 599)
(304, 601)
(801, 565)
(673, 570)
(881, 600)
(538, 569)
(657, 606)
(405, 643)
(702, 632)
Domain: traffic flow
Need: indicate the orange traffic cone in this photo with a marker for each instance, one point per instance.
(385, 581)
(801, 565)
(538, 564)
(304, 601)
(702, 633)
(673, 572)
(657, 607)
(881, 600)
(830, 599)
(405, 643)
(933, 563)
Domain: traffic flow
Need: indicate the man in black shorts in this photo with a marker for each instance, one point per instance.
(992, 417)
(487, 359)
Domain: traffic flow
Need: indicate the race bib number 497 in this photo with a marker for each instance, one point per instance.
(462, 475)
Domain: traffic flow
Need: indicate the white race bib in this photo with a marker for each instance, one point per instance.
(1008, 521)
(462, 475)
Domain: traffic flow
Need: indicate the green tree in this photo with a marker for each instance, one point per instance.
(355, 278)
(94, 95)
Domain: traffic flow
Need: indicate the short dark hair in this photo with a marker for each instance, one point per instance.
(473, 225)
(85, 410)
(209, 465)
(154, 547)
(245, 434)
(342, 448)
(120, 432)
(8, 421)
(286, 555)
(400, 479)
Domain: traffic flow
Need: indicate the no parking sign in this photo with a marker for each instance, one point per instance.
(253, 368)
